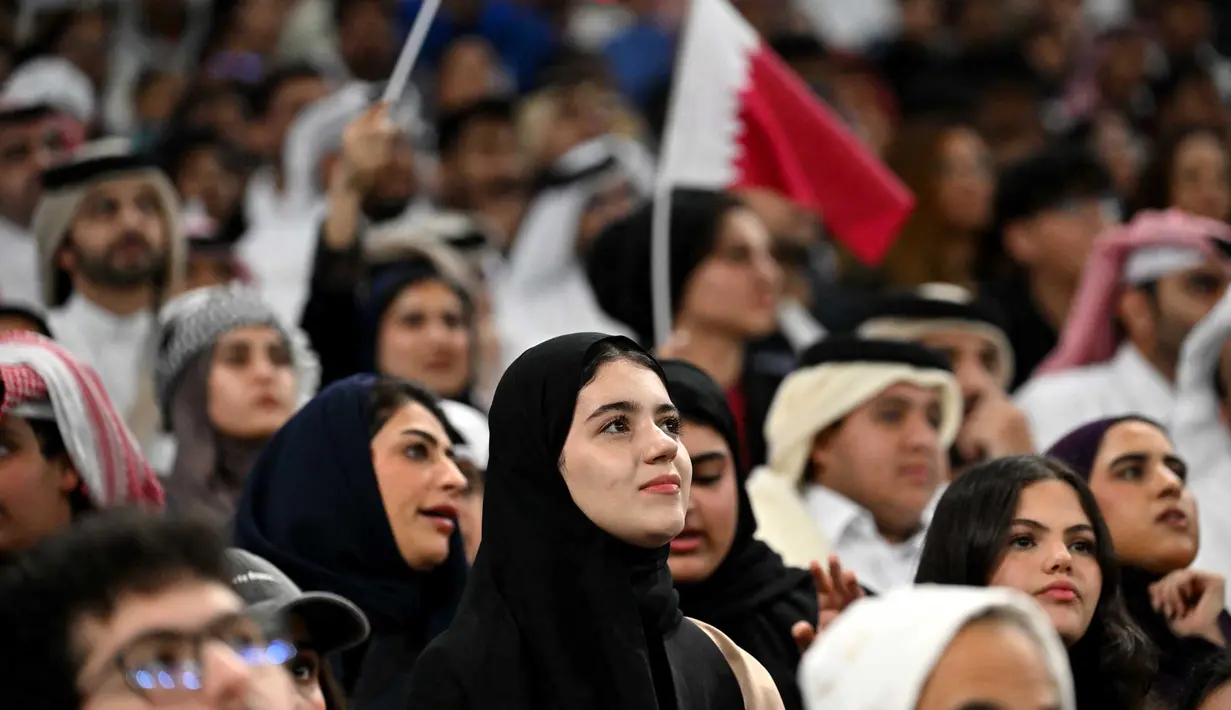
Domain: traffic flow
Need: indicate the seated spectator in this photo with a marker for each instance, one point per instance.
(938, 647)
(127, 611)
(317, 623)
(64, 450)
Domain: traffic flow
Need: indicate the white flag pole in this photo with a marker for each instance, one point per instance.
(660, 261)
(660, 217)
(410, 51)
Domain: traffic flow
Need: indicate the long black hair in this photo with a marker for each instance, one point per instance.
(1114, 662)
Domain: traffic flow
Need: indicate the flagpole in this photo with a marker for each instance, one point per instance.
(660, 262)
(410, 51)
(660, 217)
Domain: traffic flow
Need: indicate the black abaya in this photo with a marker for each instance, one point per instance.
(557, 613)
(752, 596)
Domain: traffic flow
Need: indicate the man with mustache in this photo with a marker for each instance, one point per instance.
(111, 252)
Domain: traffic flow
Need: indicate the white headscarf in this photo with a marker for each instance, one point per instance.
(1199, 433)
(880, 653)
(472, 425)
(808, 401)
(542, 290)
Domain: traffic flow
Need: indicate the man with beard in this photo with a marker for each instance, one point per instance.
(971, 333)
(1143, 288)
(111, 251)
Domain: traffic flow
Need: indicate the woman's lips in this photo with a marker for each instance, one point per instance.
(1174, 518)
(687, 541)
(444, 517)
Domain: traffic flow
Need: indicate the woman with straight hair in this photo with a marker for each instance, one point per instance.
(570, 601)
(1030, 523)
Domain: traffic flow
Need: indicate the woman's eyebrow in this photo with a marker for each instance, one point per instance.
(622, 407)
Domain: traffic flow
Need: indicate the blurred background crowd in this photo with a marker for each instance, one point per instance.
(233, 281)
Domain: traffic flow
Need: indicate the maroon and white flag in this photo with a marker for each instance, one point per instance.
(740, 117)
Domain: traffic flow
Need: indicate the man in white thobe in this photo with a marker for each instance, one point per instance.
(856, 440)
(44, 104)
(1144, 287)
(110, 251)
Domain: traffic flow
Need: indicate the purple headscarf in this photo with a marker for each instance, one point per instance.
(1079, 448)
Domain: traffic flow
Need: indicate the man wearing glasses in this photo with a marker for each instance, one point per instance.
(126, 611)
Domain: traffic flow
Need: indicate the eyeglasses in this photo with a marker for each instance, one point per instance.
(164, 666)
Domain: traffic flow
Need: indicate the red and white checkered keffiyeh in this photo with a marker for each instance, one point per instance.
(113, 470)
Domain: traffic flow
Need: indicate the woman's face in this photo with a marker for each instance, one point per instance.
(623, 462)
(735, 289)
(1050, 555)
(713, 506)
(420, 484)
(1151, 514)
(992, 663)
(965, 181)
(1200, 183)
(425, 337)
(305, 667)
(251, 383)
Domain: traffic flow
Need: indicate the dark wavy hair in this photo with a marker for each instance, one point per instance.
(1114, 662)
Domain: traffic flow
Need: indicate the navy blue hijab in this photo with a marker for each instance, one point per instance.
(311, 506)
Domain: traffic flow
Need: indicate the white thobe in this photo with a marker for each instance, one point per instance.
(263, 201)
(1202, 437)
(280, 252)
(117, 347)
(851, 530)
(1057, 403)
(19, 272)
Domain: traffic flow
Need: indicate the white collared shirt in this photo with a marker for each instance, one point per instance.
(19, 272)
(115, 346)
(1058, 403)
(851, 530)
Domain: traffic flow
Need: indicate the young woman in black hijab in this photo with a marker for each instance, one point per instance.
(1139, 482)
(725, 577)
(570, 602)
(724, 296)
(1030, 523)
(358, 495)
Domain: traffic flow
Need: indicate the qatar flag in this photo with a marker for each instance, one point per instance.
(740, 117)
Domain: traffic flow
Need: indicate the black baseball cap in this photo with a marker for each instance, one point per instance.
(334, 623)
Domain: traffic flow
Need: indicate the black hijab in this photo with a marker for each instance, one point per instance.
(752, 596)
(557, 614)
(312, 506)
(386, 284)
(618, 262)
